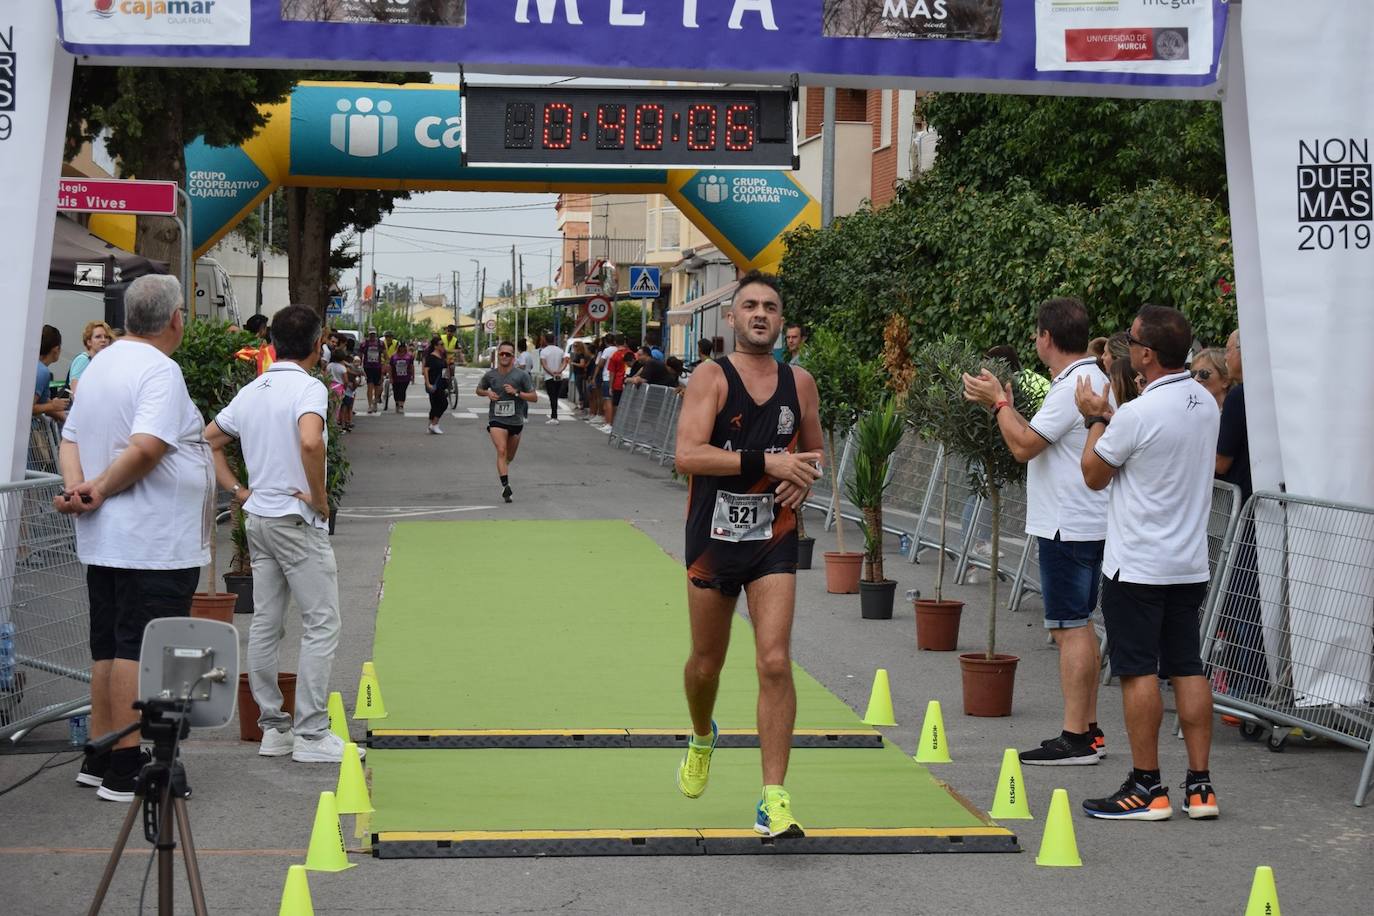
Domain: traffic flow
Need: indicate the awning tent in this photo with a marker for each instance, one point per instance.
(82, 261)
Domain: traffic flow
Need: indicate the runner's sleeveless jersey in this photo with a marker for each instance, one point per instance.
(735, 531)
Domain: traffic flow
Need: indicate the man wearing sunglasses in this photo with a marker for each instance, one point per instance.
(1158, 453)
(510, 391)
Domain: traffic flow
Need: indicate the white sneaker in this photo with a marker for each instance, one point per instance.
(328, 748)
(551, 422)
(436, 430)
(276, 743)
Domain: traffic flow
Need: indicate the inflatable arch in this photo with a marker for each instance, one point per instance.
(384, 136)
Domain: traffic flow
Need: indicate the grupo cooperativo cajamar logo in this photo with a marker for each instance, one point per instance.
(148, 9)
(103, 8)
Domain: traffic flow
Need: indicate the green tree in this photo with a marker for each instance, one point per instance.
(149, 114)
(1077, 149)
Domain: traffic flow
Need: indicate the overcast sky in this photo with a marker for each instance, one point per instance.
(437, 232)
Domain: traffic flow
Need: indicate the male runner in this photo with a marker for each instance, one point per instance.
(750, 436)
(510, 390)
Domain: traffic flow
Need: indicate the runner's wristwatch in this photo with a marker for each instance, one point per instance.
(1090, 422)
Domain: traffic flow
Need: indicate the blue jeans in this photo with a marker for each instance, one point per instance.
(1070, 575)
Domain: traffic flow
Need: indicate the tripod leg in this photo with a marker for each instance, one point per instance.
(115, 855)
(188, 852)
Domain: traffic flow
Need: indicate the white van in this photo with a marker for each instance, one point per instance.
(215, 298)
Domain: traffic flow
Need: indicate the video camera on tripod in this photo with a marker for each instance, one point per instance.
(188, 676)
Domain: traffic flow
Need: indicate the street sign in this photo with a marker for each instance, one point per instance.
(598, 308)
(113, 195)
(644, 282)
(491, 324)
(335, 307)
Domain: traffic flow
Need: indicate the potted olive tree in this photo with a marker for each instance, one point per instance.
(876, 436)
(846, 387)
(969, 431)
(213, 375)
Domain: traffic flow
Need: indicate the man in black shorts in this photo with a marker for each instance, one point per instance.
(132, 451)
(750, 436)
(1158, 452)
(510, 391)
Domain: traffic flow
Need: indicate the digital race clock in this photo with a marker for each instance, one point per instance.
(627, 127)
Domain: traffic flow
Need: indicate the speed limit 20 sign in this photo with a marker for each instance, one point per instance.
(598, 308)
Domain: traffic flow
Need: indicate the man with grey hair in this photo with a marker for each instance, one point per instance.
(136, 473)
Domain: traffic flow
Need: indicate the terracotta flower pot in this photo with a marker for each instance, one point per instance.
(805, 548)
(937, 624)
(214, 607)
(842, 572)
(248, 707)
(988, 683)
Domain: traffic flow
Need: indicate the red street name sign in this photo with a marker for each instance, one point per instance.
(110, 195)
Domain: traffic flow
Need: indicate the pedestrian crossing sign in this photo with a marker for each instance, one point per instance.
(644, 282)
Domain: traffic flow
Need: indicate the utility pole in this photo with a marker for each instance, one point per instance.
(828, 157)
(514, 279)
(257, 307)
(523, 306)
(457, 325)
(477, 310)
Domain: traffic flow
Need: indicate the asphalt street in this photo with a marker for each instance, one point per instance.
(252, 816)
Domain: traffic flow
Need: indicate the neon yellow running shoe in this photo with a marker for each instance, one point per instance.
(695, 768)
(774, 817)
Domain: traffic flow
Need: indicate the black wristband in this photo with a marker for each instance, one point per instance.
(1090, 422)
(751, 463)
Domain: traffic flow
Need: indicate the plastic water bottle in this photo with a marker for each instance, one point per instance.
(7, 660)
(904, 542)
(913, 595)
(79, 730)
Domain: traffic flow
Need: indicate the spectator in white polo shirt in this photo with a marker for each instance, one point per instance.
(1068, 520)
(279, 420)
(136, 474)
(1158, 453)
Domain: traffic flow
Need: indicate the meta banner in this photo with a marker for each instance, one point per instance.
(1139, 47)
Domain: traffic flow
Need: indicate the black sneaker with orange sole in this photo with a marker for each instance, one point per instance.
(1200, 801)
(1132, 802)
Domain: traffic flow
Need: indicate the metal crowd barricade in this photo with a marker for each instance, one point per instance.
(1289, 637)
(909, 485)
(1015, 542)
(44, 616)
(962, 510)
(653, 418)
(668, 452)
(45, 437)
(626, 414)
(667, 448)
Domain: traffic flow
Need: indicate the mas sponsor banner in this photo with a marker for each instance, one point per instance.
(1124, 36)
(157, 22)
(395, 12)
(1049, 45)
(970, 20)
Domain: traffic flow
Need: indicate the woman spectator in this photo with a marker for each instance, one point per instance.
(579, 364)
(95, 337)
(1209, 368)
(436, 384)
(1125, 381)
(1118, 347)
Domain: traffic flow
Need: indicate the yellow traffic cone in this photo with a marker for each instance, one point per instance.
(1010, 802)
(880, 701)
(1264, 897)
(295, 897)
(933, 747)
(351, 795)
(369, 705)
(1058, 848)
(326, 851)
(338, 720)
